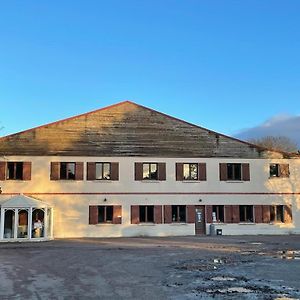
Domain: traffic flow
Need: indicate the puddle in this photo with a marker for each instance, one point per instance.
(236, 289)
(289, 254)
(221, 278)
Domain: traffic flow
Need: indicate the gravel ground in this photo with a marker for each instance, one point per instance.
(221, 267)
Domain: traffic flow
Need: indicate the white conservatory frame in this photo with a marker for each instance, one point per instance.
(21, 203)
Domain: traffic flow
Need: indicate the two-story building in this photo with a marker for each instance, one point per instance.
(127, 170)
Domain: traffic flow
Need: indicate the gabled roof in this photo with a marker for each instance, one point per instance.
(125, 129)
(24, 202)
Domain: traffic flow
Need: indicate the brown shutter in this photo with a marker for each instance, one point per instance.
(288, 214)
(235, 214)
(135, 212)
(54, 175)
(79, 171)
(284, 170)
(190, 213)
(223, 172)
(162, 171)
(266, 216)
(208, 213)
(246, 172)
(2, 170)
(168, 214)
(91, 171)
(114, 171)
(179, 171)
(258, 211)
(27, 170)
(228, 213)
(117, 214)
(157, 214)
(138, 171)
(202, 171)
(93, 214)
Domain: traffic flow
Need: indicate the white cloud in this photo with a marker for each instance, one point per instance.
(280, 125)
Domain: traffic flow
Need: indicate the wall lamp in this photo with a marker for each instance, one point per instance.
(200, 200)
(104, 200)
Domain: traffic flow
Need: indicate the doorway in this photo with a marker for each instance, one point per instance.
(200, 220)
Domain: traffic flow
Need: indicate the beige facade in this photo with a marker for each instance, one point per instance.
(197, 178)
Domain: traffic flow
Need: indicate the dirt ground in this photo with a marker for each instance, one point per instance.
(220, 267)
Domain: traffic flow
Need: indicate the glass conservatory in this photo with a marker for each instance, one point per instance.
(25, 218)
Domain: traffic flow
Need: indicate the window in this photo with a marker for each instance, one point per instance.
(146, 214)
(246, 213)
(234, 172)
(218, 213)
(150, 171)
(105, 214)
(67, 171)
(103, 171)
(14, 171)
(190, 171)
(179, 213)
(279, 170)
(277, 213)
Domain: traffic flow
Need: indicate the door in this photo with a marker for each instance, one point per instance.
(200, 219)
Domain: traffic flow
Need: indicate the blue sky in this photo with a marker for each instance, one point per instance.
(224, 65)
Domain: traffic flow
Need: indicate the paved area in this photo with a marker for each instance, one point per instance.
(247, 267)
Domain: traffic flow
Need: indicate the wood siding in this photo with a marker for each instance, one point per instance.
(126, 129)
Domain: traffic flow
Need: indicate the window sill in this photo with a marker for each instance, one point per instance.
(146, 224)
(107, 223)
(191, 181)
(178, 224)
(150, 181)
(100, 181)
(235, 181)
(247, 223)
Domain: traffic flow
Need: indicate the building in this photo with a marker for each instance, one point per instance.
(127, 170)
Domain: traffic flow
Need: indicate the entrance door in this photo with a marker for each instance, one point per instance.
(200, 219)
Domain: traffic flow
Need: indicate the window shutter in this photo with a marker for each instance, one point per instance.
(223, 172)
(235, 214)
(162, 171)
(209, 214)
(266, 216)
(114, 171)
(179, 171)
(246, 172)
(202, 171)
(117, 214)
(258, 211)
(79, 171)
(2, 170)
(190, 213)
(228, 213)
(138, 171)
(157, 214)
(27, 170)
(91, 171)
(54, 175)
(284, 170)
(135, 212)
(288, 214)
(168, 214)
(93, 214)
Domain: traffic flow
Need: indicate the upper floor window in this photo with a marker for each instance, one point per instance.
(190, 171)
(234, 171)
(279, 170)
(246, 213)
(102, 171)
(150, 171)
(15, 170)
(66, 171)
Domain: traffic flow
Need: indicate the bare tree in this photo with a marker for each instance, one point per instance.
(280, 143)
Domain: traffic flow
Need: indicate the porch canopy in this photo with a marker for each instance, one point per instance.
(25, 218)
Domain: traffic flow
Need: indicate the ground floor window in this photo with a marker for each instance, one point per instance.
(246, 213)
(179, 213)
(105, 214)
(277, 213)
(218, 213)
(146, 213)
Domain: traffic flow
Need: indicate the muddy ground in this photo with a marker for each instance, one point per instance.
(247, 267)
